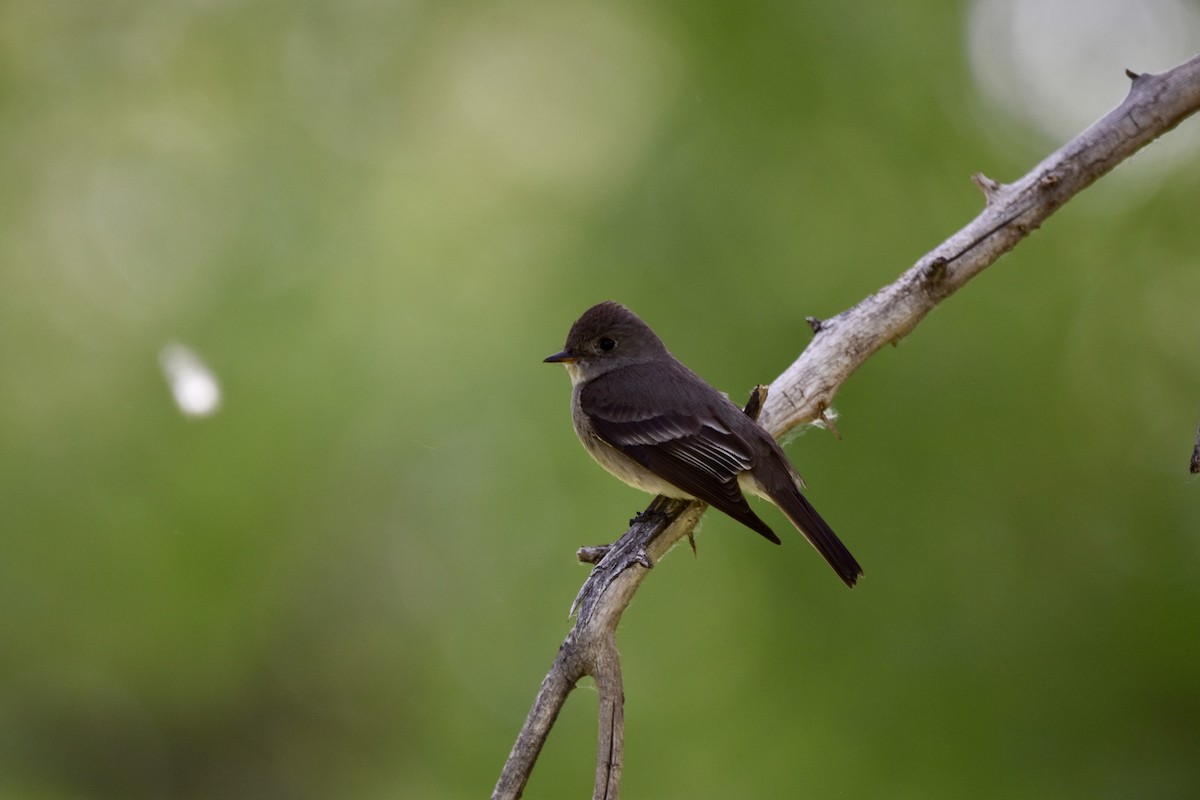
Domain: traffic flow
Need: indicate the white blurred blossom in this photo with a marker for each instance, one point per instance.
(193, 384)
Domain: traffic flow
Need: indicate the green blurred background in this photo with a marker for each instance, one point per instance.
(371, 220)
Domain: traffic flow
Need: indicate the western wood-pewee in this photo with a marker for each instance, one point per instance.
(659, 427)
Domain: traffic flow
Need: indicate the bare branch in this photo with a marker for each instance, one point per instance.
(1156, 103)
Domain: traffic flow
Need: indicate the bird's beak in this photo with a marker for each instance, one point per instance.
(564, 357)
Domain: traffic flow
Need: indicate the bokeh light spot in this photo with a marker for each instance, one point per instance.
(193, 385)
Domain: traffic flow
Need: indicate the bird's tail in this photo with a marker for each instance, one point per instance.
(817, 531)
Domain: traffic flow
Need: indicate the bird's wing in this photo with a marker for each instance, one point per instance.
(686, 445)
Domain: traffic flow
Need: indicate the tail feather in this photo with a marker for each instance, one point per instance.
(817, 532)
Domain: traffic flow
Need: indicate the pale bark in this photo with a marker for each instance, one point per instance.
(1156, 103)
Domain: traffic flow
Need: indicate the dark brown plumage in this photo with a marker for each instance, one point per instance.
(656, 425)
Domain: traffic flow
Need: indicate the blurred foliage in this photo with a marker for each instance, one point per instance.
(371, 220)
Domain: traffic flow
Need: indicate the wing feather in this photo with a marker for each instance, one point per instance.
(689, 448)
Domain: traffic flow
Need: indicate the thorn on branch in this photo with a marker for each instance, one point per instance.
(758, 396)
(593, 554)
(814, 323)
(989, 187)
(826, 418)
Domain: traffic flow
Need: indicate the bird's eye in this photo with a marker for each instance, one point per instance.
(607, 344)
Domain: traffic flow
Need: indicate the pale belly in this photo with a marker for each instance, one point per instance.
(629, 471)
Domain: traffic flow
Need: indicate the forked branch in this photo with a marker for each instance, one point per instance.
(1156, 103)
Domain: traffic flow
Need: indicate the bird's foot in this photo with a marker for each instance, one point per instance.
(650, 515)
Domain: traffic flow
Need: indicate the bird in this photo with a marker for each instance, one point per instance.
(661, 428)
